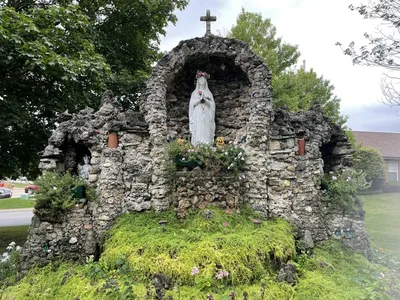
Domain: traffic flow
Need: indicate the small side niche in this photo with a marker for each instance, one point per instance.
(75, 155)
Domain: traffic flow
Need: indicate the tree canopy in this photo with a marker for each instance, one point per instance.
(295, 88)
(382, 48)
(46, 69)
(55, 56)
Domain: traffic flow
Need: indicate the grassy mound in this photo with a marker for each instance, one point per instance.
(218, 255)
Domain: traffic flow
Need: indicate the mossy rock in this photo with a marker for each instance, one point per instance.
(137, 248)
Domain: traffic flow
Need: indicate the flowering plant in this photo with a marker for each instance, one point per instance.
(341, 188)
(202, 74)
(221, 274)
(225, 158)
(9, 264)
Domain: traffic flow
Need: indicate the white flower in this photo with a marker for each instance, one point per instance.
(19, 248)
(60, 26)
(334, 178)
(348, 178)
(12, 244)
(183, 158)
(242, 158)
(54, 188)
(240, 154)
(226, 153)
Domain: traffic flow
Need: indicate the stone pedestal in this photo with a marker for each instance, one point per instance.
(199, 189)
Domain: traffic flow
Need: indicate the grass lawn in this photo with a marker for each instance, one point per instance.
(14, 203)
(382, 221)
(20, 185)
(10, 234)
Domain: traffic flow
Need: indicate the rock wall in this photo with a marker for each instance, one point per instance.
(277, 180)
(294, 191)
(199, 189)
(121, 176)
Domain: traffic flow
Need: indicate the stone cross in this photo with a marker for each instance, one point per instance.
(208, 19)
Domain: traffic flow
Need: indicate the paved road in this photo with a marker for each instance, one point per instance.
(15, 217)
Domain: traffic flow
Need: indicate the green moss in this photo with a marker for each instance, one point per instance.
(336, 273)
(137, 248)
(238, 247)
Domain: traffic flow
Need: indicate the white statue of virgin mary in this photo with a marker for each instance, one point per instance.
(202, 112)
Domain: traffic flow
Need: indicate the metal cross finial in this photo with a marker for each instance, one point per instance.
(208, 19)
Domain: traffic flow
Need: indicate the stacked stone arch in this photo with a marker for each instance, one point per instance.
(132, 177)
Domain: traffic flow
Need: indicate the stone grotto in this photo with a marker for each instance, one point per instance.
(122, 154)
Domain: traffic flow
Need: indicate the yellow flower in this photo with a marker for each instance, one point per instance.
(220, 142)
(181, 142)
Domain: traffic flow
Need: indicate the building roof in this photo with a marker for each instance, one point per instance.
(388, 144)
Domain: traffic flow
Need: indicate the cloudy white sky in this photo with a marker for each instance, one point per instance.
(315, 26)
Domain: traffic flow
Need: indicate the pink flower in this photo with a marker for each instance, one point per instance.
(221, 274)
(200, 92)
(195, 271)
(225, 224)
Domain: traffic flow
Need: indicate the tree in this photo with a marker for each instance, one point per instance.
(260, 34)
(46, 69)
(372, 163)
(56, 56)
(300, 89)
(382, 49)
(295, 88)
(125, 32)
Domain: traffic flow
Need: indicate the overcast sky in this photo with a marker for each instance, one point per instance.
(315, 26)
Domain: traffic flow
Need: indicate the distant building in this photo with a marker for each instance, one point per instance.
(388, 145)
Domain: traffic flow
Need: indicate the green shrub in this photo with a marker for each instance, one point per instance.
(341, 188)
(226, 158)
(56, 192)
(371, 162)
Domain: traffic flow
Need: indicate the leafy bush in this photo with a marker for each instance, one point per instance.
(372, 163)
(56, 192)
(341, 188)
(225, 158)
(9, 264)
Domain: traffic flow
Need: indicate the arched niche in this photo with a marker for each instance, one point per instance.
(74, 154)
(229, 85)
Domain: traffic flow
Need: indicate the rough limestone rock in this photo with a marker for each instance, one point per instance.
(132, 177)
(308, 242)
(287, 273)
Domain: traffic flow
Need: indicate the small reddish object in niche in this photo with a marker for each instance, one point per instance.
(302, 146)
(112, 140)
